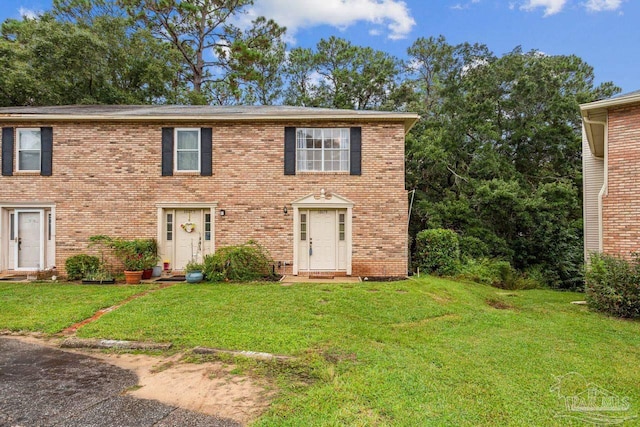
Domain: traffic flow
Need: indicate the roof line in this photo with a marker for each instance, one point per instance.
(409, 119)
(631, 98)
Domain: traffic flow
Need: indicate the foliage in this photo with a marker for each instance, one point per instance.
(193, 266)
(134, 254)
(196, 29)
(245, 262)
(78, 266)
(497, 155)
(612, 285)
(351, 77)
(497, 273)
(438, 251)
(418, 352)
(47, 61)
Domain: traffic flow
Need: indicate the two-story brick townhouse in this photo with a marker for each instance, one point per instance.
(611, 175)
(321, 189)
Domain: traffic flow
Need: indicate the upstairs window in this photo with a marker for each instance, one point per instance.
(29, 149)
(322, 149)
(187, 155)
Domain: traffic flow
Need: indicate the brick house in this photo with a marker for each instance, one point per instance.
(611, 175)
(321, 189)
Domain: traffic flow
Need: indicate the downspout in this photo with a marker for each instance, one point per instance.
(605, 180)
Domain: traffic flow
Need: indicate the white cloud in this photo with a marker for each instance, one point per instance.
(551, 7)
(601, 5)
(28, 13)
(460, 6)
(297, 14)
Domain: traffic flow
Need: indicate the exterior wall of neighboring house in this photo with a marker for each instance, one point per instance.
(611, 175)
(106, 178)
(621, 204)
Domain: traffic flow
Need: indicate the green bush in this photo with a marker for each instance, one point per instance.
(135, 254)
(79, 266)
(472, 247)
(243, 263)
(438, 251)
(497, 273)
(612, 285)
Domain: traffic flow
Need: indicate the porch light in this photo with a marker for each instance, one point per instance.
(285, 210)
(222, 212)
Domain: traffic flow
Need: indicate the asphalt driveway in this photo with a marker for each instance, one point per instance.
(43, 386)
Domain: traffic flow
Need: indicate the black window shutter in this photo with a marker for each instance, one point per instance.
(289, 151)
(7, 151)
(355, 151)
(46, 159)
(206, 135)
(167, 151)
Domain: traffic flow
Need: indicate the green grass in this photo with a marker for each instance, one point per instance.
(52, 307)
(427, 352)
(417, 352)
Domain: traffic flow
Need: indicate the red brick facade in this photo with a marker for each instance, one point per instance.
(106, 179)
(621, 204)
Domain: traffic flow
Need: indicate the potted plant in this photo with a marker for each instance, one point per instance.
(193, 272)
(136, 255)
(148, 249)
(133, 261)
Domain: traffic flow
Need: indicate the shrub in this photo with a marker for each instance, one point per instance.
(135, 254)
(246, 262)
(612, 285)
(497, 273)
(438, 251)
(472, 247)
(79, 266)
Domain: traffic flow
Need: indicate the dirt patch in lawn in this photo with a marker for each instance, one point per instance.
(209, 388)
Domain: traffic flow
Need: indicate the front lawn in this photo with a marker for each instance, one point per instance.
(50, 308)
(417, 352)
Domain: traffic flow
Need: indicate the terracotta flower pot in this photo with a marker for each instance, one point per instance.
(132, 277)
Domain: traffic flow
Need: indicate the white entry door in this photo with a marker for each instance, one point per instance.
(189, 237)
(29, 239)
(322, 240)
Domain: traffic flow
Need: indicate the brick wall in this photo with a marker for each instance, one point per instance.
(107, 179)
(621, 205)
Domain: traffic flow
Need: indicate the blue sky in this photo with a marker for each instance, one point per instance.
(604, 33)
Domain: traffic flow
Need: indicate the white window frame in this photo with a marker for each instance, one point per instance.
(323, 150)
(19, 131)
(176, 151)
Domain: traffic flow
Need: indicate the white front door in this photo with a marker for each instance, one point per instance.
(29, 239)
(189, 237)
(322, 240)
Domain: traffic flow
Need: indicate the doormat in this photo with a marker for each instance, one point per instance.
(172, 279)
(321, 275)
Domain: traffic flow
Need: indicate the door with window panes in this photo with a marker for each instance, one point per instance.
(322, 245)
(188, 236)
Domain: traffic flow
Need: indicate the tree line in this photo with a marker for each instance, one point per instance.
(496, 156)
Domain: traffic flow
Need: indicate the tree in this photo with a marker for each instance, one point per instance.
(215, 52)
(496, 156)
(97, 60)
(341, 75)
